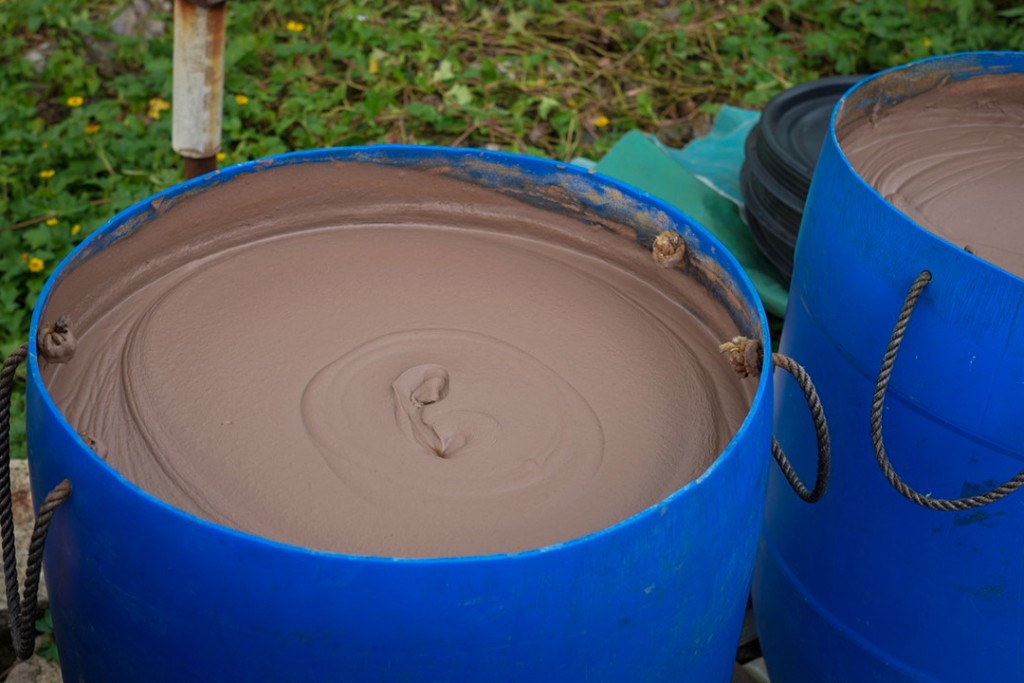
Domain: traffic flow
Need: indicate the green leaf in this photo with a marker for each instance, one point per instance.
(423, 111)
(546, 106)
(45, 623)
(460, 93)
(48, 651)
(443, 72)
(517, 20)
(37, 237)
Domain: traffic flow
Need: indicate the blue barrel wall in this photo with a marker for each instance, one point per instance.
(867, 586)
(143, 592)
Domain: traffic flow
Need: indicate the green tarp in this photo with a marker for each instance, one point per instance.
(643, 162)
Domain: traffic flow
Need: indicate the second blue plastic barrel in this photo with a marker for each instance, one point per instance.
(867, 586)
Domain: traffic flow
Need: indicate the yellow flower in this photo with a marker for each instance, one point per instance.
(601, 121)
(221, 156)
(927, 42)
(75, 229)
(92, 129)
(47, 174)
(295, 26)
(374, 65)
(156, 106)
(36, 264)
(241, 100)
(51, 222)
(76, 101)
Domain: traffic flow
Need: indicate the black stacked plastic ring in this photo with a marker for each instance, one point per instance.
(781, 153)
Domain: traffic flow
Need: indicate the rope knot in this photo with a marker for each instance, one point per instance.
(56, 342)
(745, 354)
(669, 249)
(95, 444)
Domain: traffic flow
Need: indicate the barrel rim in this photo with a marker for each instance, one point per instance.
(126, 221)
(983, 63)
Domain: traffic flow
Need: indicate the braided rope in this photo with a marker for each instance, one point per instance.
(22, 614)
(6, 511)
(878, 406)
(747, 356)
(821, 430)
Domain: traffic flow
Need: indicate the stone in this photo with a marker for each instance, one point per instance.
(39, 55)
(757, 671)
(35, 670)
(142, 18)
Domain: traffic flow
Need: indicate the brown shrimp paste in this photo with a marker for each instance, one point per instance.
(952, 159)
(392, 362)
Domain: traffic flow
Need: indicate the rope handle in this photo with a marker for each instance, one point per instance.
(747, 356)
(821, 430)
(878, 408)
(22, 608)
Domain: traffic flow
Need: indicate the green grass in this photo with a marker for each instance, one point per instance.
(558, 79)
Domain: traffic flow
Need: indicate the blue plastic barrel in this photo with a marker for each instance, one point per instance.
(143, 592)
(867, 586)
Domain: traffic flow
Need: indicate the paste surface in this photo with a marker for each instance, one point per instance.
(952, 159)
(390, 362)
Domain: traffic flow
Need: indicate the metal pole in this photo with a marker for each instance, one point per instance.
(199, 35)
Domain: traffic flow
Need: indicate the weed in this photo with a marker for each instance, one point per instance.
(47, 647)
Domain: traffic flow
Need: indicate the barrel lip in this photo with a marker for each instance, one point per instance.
(982, 62)
(133, 217)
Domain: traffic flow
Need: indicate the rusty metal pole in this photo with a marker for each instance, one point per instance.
(199, 35)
